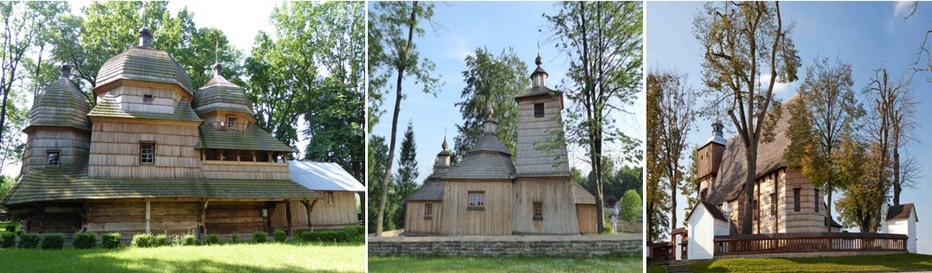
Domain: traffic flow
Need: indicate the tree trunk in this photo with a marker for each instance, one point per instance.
(403, 57)
(751, 156)
(672, 206)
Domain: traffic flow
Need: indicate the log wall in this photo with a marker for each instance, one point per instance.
(114, 150)
(72, 144)
(240, 218)
(558, 206)
(130, 99)
(245, 170)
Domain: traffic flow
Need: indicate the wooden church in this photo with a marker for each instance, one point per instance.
(491, 192)
(154, 155)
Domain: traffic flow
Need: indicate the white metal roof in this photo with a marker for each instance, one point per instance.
(323, 176)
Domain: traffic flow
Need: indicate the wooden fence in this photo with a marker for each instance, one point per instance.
(807, 242)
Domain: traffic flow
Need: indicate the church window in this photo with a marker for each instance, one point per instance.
(539, 110)
(538, 211)
(428, 211)
(816, 200)
(146, 153)
(476, 200)
(773, 204)
(231, 122)
(53, 158)
(796, 199)
(147, 99)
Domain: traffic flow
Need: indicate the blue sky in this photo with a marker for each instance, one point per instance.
(865, 34)
(463, 27)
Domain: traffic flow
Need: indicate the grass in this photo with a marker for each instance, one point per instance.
(894, 262)
(270, 257)
(656, 269)
(505, 264)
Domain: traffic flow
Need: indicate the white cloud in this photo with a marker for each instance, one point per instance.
(901, 8)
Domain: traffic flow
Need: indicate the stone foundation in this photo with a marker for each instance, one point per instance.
(584, 246)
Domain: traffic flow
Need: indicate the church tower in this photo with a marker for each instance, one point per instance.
(58, 133)
(541, 146)
(710, 158)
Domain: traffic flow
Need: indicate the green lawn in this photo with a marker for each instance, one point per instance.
(895, 262)
(504, 264)
(272, 257)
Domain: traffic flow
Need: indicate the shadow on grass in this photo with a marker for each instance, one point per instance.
(892, 262)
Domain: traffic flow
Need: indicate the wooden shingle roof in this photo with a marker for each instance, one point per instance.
(901, 212)
(429, 191)
(220, 94)
(733, 169)
(581, 195)
(109, 107)
(71, 182)
(60, 103)
(144, 64)
(252, 139)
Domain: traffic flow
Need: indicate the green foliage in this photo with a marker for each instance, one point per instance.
(404, 184)
(233, 239)
(28, 240)
(161, 240)
(212, 239)
(84, 240)
(144, 240)
(355, 230)
(53, 241)
(7, 239)
(630, 209)
(110, 240)
(260, 237)
(491, 81)
(451, 264)
(657, 195)
(615, 180)
(378, 156)
(280, 235)
(325, 236)
(188, 240)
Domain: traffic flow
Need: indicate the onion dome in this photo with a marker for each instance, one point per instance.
(143, 63)
(60, 103)
(538, 83)
(488, 158)
(221, 94)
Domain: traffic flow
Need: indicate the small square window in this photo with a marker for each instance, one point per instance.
(329, 197)
(147, 99)
(53, 158)
(146, 153)
(476, 200)
(231, 122)
(428, 211)
(539, 110)
(538, 211)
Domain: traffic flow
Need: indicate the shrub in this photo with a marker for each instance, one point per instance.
(630, 209)
(212, 239)
(84, 240)
(233, 239)
(143, 240)
(280, 235)
(28, 240)
(188, 240)
(110, 240)
(53, 241)
(260, 237)
(325, 236)
(7, 239)
(354, 230)
(161, 240)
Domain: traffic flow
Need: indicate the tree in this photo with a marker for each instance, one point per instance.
(377, 153)
(490, 82)
(398, 22)
(603, 42)
(743, 41)
(25, 24)
(657, 196)
(406, 178)
(824, 114)
(677, 113)
(690, 186)
(856, 205)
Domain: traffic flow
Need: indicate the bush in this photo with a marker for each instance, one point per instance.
(233, 239)
(280, 235)
(260, 237)
(354, 230)
(53, 241)
(28, 240)
(325, 236)
(7, 239)
(110, 240)
(84, 240)
(212, 239)
(188, 240)
(630, 209)
(143, 240)
(161, 240)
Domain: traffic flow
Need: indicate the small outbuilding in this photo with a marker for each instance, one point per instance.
(704, 217)
(337, 208)
(902, 219)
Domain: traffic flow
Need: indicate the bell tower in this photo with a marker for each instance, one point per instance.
(710, 158)
(541, 146)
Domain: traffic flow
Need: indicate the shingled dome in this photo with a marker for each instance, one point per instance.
(488, 159)
(220, 94)
(60, 103)
(144, 63)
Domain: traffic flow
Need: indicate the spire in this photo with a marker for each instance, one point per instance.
(717, 134)
(217, 68)
(443, 158)
(539, 77)
(65, 70)
(145, 37)
(490, 122)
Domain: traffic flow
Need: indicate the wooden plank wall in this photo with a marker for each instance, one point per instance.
(415, 223)
(174, 217)
(131, 99)
(241, 218)
(128, 218)
(72, 143)
(114, 150)
(458, 220)
(324, 215)
(587, 218)
(556, 197)
(245, 170)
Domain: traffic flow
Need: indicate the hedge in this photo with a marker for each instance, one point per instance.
(260, 237)
(7, 239)
(110, 240)
(84, 240)
(28, 240)
(53, 241)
